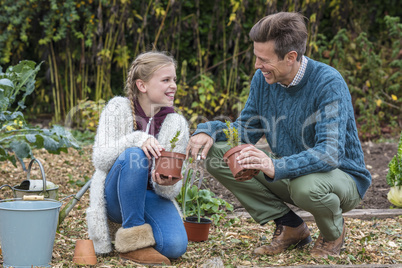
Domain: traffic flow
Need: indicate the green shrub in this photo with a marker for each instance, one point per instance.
(17, 138)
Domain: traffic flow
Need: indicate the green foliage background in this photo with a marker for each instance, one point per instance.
(87, 47)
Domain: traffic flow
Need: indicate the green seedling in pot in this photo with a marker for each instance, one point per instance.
(170, 163)
(200, 202)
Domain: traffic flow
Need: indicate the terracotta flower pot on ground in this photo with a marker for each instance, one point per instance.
(197, 231)
(84, 253)
(239, 173)
(169, 163)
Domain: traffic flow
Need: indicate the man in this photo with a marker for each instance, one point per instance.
(304, 109)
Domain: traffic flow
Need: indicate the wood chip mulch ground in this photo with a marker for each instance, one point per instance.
(231, 243)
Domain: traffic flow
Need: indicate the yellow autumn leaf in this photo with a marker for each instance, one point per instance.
(394, 97)
(368, 83)
(378, 102)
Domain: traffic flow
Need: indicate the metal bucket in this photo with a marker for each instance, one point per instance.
(47, 193)
(27, 232)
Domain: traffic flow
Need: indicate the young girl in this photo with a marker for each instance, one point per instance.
(125, 189)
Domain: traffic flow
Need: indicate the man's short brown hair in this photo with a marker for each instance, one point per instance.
(287, 29)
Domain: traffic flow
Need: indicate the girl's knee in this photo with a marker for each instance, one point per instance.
(134, 152)
(135, 157)
(175, 247)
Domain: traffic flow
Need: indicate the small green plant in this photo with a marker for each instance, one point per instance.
(201, 202)
(394, 177)
(232, 135)
(174, 140)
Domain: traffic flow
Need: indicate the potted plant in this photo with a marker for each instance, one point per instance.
(394, 177)
(233, 140)
(196, 203)
(170, 163)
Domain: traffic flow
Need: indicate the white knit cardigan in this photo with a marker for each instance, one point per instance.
(114, 135)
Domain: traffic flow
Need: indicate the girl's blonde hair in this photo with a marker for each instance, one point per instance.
(143, 67)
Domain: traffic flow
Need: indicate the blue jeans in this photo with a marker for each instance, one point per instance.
(131, 204)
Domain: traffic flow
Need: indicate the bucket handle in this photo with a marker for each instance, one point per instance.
(42, 170)
(6, 185)
(33, 197)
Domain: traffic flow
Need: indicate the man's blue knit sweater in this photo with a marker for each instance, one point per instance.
(310, 126)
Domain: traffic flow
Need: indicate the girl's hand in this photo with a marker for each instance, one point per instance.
(169, 181)
(151, 147)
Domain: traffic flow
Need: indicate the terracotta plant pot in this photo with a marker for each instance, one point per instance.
(84, 253)
(197, 231)
(239, 173)
(169, 163)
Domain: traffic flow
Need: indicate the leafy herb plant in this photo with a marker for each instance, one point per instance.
(201, 202)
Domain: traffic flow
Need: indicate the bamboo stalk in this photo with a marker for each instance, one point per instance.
(56, 80)
(197, 3)
(144, 20)
(233, 70)
(53, 88)
(98, 84)
(225, 73)
(162, 24)
(81, 71)
(72, 92)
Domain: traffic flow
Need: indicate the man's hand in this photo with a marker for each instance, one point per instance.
(169, 181)
(197, 142)
(253, 158)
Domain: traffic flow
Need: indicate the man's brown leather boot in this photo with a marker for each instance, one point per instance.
(322, 248)
(145, 256)
(285, 237)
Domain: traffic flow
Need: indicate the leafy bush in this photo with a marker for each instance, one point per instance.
(200, 202)
(372, 71)
(394, 177)
(88, 46)
(85, 115)
(17, 138)
(83, 138)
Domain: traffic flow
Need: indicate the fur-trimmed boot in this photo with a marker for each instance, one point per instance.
(135, 244)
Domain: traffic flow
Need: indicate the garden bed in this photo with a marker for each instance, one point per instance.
(375, 241)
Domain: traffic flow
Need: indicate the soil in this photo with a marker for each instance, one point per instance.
(63, 169)
(376, 156)
(236, 241)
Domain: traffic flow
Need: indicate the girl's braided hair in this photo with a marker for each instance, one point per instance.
(143, 67)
